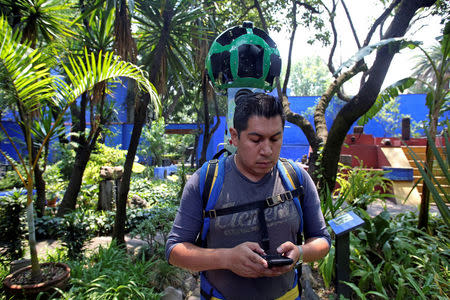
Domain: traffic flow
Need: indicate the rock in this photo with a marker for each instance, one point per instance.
(308, 281)
(138, 202)
(105, 195)
(111, 172)
(171, 293)
(307, 275)
(308, 292)
(192, 287)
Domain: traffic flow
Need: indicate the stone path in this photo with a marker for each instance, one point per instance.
(377, 207)
(46, 246)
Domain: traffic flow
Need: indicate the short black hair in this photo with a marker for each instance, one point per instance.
(250, 104)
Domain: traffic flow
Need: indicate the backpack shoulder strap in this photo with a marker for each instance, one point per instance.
(210, 185)
(208, 175)
(292, 179)
(290, 173)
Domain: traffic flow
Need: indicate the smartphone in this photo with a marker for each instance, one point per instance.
(277, 260)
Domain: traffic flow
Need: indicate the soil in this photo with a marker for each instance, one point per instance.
(49, 272)
(318, 285)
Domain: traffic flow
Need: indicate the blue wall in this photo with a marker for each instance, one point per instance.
(295, 144)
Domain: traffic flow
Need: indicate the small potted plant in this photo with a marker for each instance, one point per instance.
(28, 85)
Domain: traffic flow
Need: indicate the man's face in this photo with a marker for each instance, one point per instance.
(258, 146)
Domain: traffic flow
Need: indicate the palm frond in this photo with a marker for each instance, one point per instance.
(29, 82)
(83, 74)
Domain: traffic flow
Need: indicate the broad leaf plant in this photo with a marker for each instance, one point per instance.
(28, 85)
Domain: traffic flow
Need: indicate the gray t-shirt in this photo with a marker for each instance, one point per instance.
(230, 230)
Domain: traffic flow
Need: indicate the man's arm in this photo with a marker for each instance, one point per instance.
(242, 259)
(314, 249)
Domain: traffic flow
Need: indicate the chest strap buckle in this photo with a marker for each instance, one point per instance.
(210, 214)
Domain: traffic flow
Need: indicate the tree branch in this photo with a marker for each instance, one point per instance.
(331, 14)
(347, 13)
(380, 20)
(244, 17)
(307, 6)
(261, 16)
(368, 93)
(172, 106)
(319, 113)
(291, 45)
(301, 122)
(342, 96)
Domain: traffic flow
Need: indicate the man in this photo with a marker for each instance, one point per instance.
(232, 262)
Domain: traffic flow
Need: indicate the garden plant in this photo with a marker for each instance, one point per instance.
(30, 85)
(390, 257)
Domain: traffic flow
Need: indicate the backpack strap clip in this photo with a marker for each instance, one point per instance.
(287, 196)
(210, 214)
(274, 200)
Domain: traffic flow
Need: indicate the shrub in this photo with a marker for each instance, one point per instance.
(12, 226)
(48, 227)
(64, 157)
(153, 142)
(155, 227)
(155, 191)
(391, 258)
(74, 232)
(11, 180)
(362, 186)
(111, 274)
(88, 196)
(102, 156)
(4, 271)
(55, 181)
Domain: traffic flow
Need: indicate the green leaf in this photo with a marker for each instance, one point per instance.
(430, 100)
(387, 95)
(363, 52)
(445, 44)
(383, 296)
(356, 289)
(387, 250)
(401, 290)
(429, 180)
(414, 284)
(377, 279)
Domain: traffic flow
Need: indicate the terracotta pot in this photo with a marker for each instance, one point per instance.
(30, 291)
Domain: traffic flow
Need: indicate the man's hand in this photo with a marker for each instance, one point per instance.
(290, 250)
(245, 261)
(314, 249)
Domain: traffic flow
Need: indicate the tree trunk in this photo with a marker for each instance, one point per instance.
(124, 187)
(69, 200)
(368, 93)
(206, 133)
(425, 199)
(36, 273)
(194, 152)
(83, 153)
(132, 94)
(40, 191)
(140, 117)
(429, 159)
